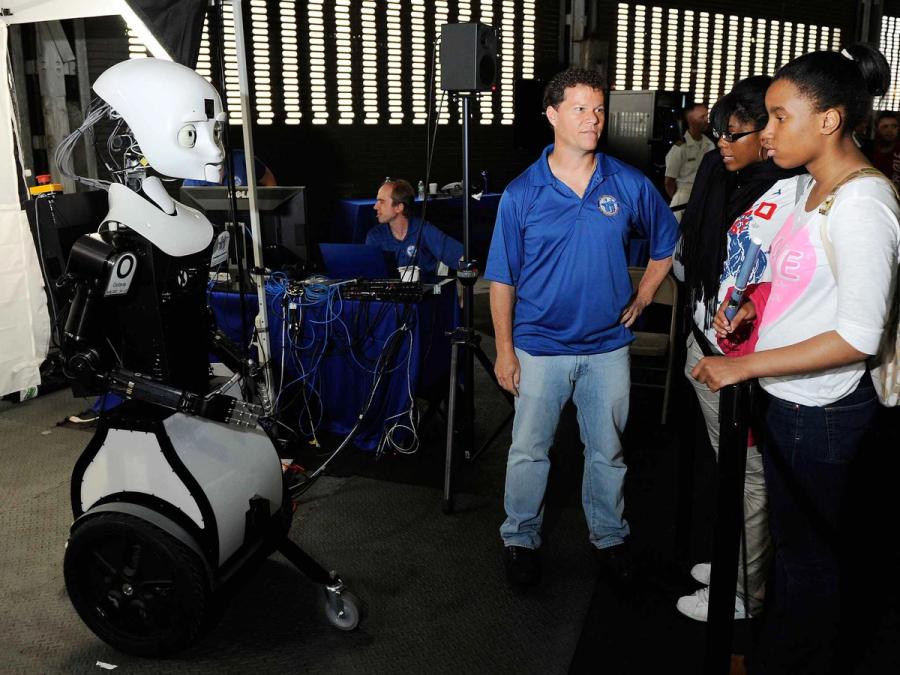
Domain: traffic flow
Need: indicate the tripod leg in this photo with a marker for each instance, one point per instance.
(447, 504)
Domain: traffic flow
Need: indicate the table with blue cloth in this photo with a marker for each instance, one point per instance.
(327, 353)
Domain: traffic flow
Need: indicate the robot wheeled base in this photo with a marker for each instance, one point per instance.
(139, 569)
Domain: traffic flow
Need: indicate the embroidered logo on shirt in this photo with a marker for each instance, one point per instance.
(608, 205)
(411, 250)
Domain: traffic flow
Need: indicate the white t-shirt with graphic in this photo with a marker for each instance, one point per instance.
(762, 220)
(806, 301)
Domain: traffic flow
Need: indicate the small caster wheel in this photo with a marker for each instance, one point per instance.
(342, 609)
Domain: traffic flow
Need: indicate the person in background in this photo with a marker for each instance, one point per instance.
(884, 153)
(739, 194)
(264, 176)
(410, 240)
(683, 158)
(824, 317)
(562, 305)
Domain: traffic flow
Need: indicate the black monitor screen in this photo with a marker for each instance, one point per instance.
(282, 217)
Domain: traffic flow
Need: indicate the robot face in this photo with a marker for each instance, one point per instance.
(175, 115)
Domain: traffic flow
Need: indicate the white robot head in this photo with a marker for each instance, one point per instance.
(175, 115)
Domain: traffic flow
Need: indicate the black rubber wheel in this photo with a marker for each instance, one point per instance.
(137, 587)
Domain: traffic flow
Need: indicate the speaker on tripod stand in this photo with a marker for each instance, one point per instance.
(468, 65)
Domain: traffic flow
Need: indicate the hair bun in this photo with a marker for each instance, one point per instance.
(873, 67)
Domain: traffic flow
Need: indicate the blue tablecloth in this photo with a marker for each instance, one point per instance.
(343, 355)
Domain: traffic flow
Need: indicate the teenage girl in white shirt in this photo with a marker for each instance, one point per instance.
(815, 336)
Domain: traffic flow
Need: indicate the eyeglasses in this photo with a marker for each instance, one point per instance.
(731, 138)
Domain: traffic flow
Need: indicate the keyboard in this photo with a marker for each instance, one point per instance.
(386, 290)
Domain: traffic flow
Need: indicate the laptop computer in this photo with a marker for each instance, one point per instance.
(358, 261)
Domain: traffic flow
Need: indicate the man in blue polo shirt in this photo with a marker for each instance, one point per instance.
(410, 240)
(562, 307)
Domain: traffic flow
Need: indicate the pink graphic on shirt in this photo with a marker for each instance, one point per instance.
(793, 260)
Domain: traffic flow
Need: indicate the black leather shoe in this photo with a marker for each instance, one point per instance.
(522, 566)
(617, 562)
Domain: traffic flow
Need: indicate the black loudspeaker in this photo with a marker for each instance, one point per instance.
(468, 57)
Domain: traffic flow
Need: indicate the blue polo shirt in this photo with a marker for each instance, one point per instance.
(566, 255)
(434, 245)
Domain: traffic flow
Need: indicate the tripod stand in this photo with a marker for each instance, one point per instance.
(467, 340)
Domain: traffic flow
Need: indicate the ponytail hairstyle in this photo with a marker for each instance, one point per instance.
(847, 80)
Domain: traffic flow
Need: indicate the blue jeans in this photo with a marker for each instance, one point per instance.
(599, 385)
(807, 457)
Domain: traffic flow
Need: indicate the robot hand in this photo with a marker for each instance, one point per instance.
(223, 408)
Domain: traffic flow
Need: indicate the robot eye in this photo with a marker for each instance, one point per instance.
(187, 136)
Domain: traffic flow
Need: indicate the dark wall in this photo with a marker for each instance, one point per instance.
(336, 161)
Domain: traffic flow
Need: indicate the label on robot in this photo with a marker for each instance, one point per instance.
(122, 275)
(220, 250)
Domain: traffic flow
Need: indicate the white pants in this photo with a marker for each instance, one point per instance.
(756, 515)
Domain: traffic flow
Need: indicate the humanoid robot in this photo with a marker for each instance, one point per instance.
(180, 487)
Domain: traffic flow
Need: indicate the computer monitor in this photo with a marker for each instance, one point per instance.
(282, 217)
(357, 261)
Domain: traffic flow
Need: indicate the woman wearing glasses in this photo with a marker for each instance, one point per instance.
(822, 320)
(738, 195)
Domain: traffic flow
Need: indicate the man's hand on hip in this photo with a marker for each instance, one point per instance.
(633, 311)
(507, 370)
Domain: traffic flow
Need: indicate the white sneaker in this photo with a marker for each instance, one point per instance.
(696, 605)
(701, 572)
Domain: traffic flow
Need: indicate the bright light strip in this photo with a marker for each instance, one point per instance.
(441, 17)
(136, 48)
(259, 30)
(342, 41)
(317, 85)
(622, 47)
(747, 53)
(760, 47)
(637, 68)
(687, 50)
(204, 65)
(655, 40)
(528, 22)
(811, 39)
(290, 80)
(232, 82)
(395, 75)
(672, 49)
(702, 43)
(419, 78)
(370, 62)
(715, 84)
(507, 62)
(772, 62)
(786, 37)
(486, 98)
(799, 35)
(734, 26)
